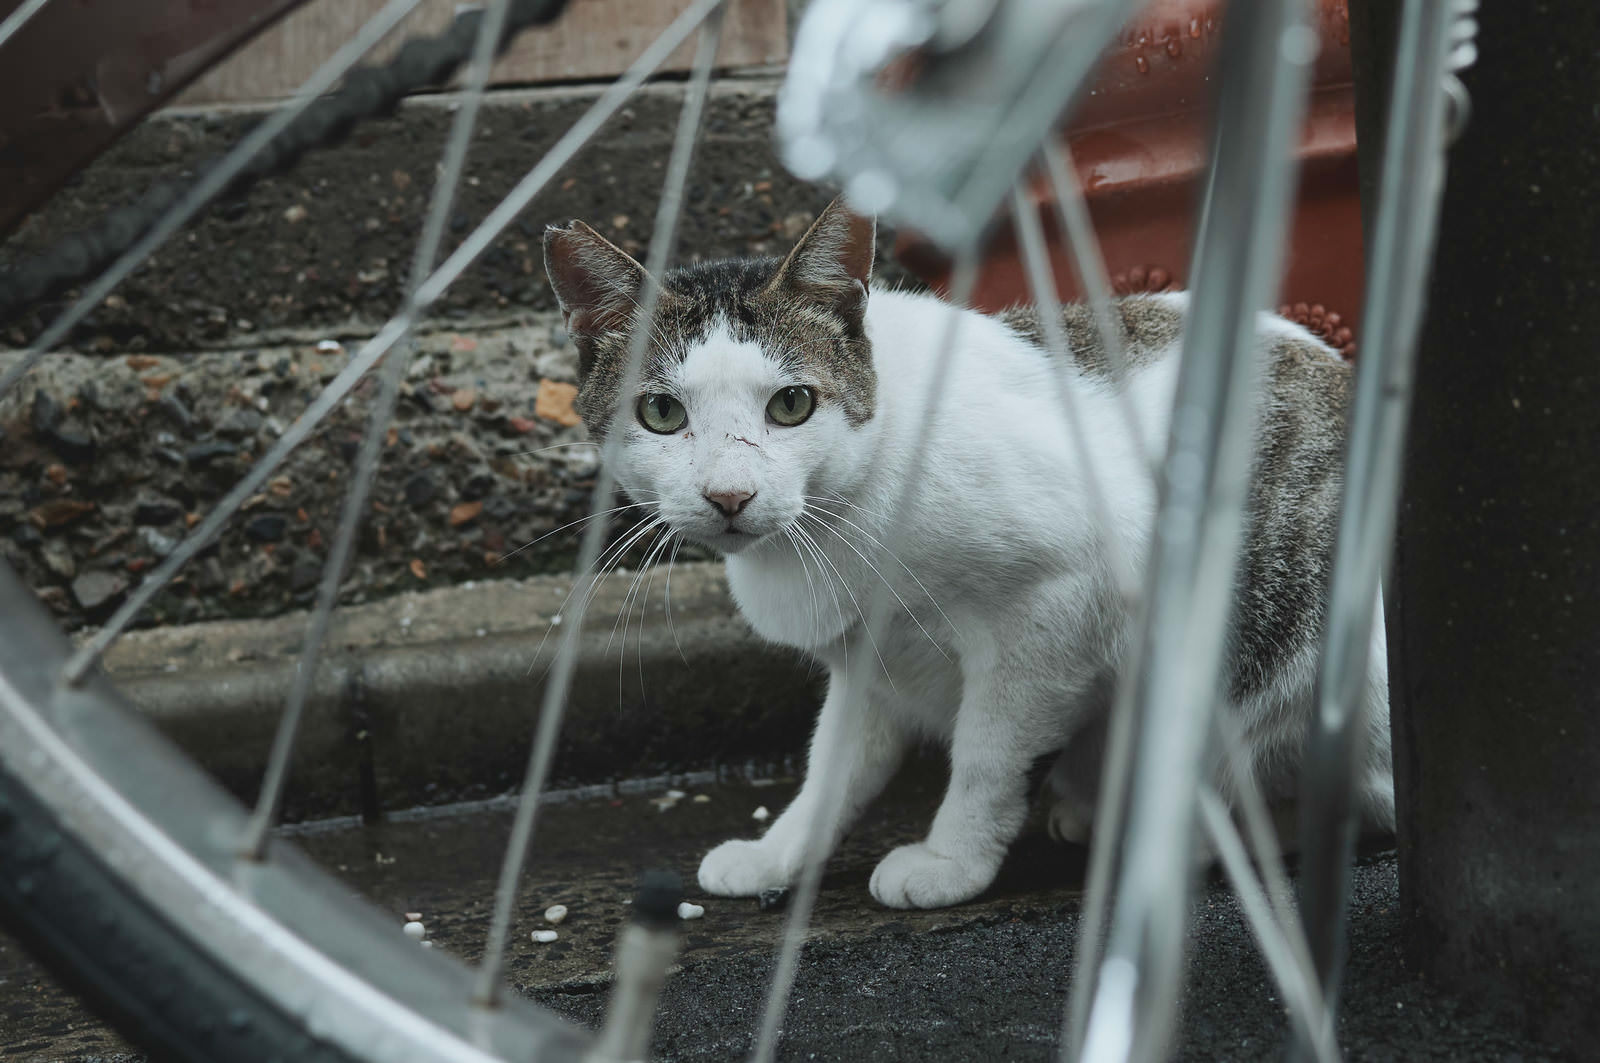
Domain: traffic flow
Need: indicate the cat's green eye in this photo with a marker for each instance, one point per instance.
(662, 413)
(791, 406)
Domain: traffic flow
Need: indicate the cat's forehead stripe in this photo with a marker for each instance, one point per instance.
(806, 339)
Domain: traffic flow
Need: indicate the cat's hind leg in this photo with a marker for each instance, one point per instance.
(1072, 786)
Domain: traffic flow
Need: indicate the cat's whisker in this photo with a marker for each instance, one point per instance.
(651, 562)
(617, 555)
(644, 575)
(626, 609)
(571, 524)
(805, 568)
(875, 571)
(866, 626)
(602, 568)
(801, 540)
(647, 570)
(553, 446)
(879, 544)
(676, 546)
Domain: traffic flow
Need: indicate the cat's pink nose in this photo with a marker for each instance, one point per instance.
(731, 503)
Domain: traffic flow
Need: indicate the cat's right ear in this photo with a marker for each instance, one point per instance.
(832, 263)
(596, 283)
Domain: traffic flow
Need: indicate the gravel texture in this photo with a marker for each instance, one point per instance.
(107, 461)
(200, 359)
(328, 245)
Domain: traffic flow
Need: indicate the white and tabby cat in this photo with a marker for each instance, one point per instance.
(775, 423)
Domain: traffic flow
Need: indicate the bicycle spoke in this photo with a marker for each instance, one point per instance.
(1130, 1009)
(270, 797)
(875, 620)
(1042, 286)
(396, 327)
(1262, 834)
(559, 683)
(212, 183)
(1411, 185)
(15, 21)
(1090, 264)
(1307, 1010)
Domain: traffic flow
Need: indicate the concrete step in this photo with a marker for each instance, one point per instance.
(432, 696)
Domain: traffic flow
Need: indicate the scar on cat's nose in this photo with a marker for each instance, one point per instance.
(731, 503)
(742, 439)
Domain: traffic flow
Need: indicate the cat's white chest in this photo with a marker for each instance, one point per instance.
(791, 602)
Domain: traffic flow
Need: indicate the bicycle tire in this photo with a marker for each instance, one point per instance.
(119, 871)
(125, 960)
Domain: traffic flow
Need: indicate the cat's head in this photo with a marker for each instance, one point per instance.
(757, 378)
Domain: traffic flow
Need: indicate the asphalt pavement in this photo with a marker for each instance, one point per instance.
(983, 981)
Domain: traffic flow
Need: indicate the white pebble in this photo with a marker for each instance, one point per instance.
(427, 944)
(676, 795)
(690, 911)
(555, 621)
(761, 815)
(327, 346)
(544, 937)
(415, 930)
(555, 913)
(413, 917)
(701, 799)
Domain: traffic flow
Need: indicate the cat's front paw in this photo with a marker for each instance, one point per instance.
(743, 869)
(914, 876)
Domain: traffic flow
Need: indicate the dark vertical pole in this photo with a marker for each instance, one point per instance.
(1494, 623)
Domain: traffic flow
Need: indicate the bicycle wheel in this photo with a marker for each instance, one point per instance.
(143, 884)
(203, 936)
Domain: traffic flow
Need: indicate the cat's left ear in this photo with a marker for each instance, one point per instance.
(596, 283)
(832, 263)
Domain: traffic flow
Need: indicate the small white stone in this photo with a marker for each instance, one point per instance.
(676, 795)
(761, 815)
(555, 913)
(702, 799)
(415, 930)
(413, 917)
(690, 911)
(544, 937)
(555, 621)
(329, 346)
(427, 944)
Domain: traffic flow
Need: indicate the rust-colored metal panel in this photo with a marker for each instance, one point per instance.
(1139, 142)
(592, 39)
(80, 72)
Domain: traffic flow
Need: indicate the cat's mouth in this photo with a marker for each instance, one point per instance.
(732, 539)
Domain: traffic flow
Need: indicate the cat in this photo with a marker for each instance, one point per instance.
(775, 423)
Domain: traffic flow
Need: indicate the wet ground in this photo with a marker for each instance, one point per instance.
(980, 982)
